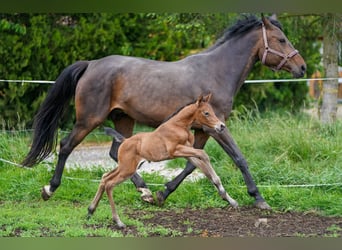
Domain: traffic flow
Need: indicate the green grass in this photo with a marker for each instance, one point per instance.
(282, 150)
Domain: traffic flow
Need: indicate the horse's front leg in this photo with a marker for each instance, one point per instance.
(228, 144)
(200, 140)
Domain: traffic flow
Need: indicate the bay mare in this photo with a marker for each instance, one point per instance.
(172, 139)
(128, 89)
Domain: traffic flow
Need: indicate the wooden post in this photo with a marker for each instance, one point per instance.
(330, 63)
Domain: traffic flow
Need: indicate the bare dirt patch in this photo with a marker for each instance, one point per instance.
(227, 222)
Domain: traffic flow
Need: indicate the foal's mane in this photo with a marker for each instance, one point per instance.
(241, 26)
(177, 111)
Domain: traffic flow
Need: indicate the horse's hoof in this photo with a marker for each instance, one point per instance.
(160, 198)
(46, 194)
(262, 205)
(90, 213)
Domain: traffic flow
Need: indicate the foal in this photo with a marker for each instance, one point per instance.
(170, 140)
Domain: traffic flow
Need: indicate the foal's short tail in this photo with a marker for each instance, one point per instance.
(46, 121)
(115, 134)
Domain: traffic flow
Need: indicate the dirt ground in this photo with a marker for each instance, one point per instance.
(228, 222)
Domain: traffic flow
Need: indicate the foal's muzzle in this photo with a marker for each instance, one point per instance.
(220, 127)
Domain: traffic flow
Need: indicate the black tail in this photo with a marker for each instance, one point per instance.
(115, 134)
(46, 120)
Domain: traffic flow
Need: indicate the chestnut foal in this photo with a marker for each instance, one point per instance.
(171, 139)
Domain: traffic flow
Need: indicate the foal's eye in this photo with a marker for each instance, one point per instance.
(282, 40)
(206, 113)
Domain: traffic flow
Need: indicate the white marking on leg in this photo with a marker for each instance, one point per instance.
(146, 194)
(231, 201)
(47, 190)
(226, 196)
(120, 223)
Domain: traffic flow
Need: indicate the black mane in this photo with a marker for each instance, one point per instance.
(242, 26)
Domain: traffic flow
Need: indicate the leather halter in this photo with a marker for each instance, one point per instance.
(268, 49)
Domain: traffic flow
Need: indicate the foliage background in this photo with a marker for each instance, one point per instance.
(40, 46)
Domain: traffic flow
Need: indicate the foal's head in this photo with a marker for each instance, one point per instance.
(205, 115)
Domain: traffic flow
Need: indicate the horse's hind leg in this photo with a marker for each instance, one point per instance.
(66, 146)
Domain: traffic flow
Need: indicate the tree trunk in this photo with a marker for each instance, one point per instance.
(330, 64)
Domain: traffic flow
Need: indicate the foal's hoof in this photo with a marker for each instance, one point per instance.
(234, 204)
(120, 224)
(146, 195)
(262, 205)
(160, 198)
(46, 194)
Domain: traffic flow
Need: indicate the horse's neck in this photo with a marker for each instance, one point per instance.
(235, 58)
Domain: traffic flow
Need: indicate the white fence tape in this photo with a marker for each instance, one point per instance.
(247, 81)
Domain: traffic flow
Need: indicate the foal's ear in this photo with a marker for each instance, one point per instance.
(207, 98)
(199, 100)
(202, 98)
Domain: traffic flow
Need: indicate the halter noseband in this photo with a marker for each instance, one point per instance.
(268, 49)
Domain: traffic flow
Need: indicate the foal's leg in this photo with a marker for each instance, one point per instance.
(108, 182)
(92, 207)
(200, 159)
(203, 163)
(228, 144)
(200, 140)
(124, 125)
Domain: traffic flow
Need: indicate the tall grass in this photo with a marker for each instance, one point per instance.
(285, 151)
(282, 150)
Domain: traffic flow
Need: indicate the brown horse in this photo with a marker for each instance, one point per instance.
(172, 139)
(128, 89)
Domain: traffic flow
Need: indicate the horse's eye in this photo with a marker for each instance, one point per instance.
(206, 113)
(282, 40)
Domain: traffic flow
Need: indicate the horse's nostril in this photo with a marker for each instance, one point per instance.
(303, 68)
(222, 126)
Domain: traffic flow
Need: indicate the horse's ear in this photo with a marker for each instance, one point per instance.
(274, 17)
(265, 21)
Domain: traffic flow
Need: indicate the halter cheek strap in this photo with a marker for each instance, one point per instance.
(268, 49)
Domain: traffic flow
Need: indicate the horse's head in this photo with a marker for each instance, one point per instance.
(277, 52)
(205, 114)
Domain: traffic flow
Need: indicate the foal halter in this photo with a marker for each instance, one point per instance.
(268, 49)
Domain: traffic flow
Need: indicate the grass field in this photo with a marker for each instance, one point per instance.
(295, 161)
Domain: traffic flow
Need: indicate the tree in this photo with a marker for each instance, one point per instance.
(331, 27)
